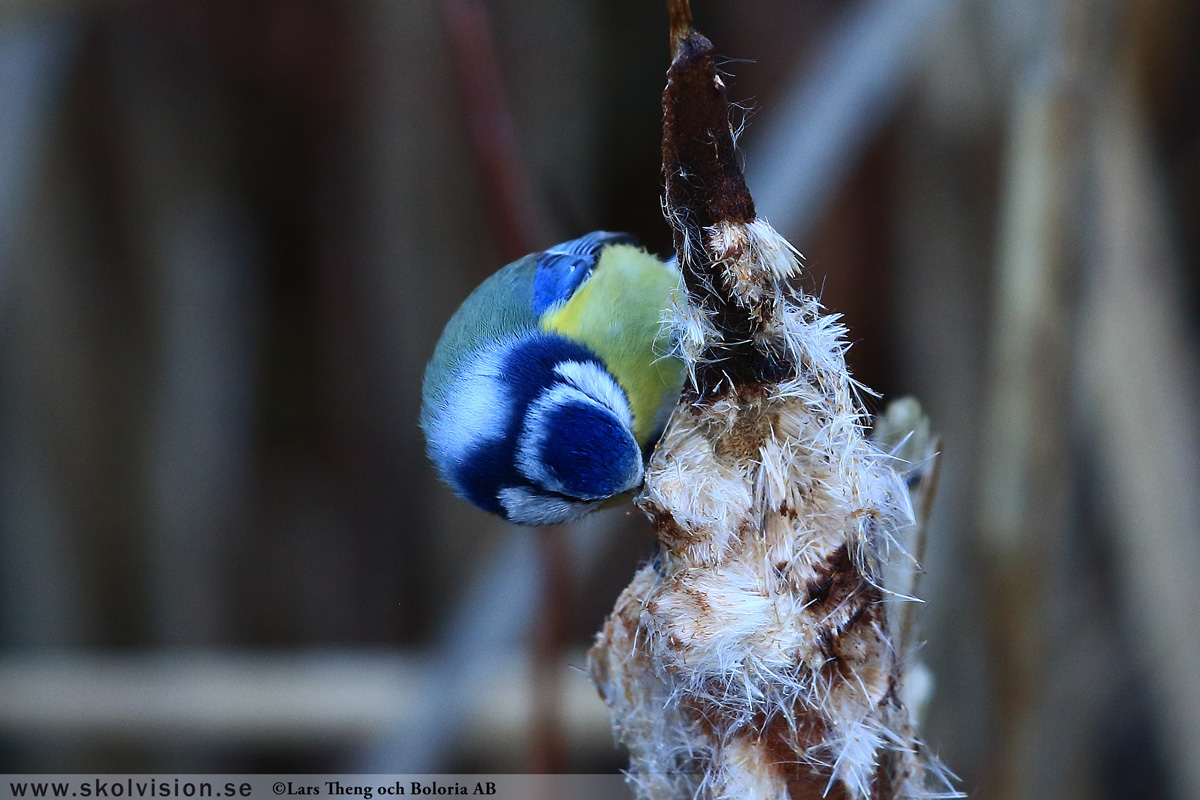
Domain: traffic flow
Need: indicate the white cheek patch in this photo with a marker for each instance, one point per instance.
(528, 508)
(595, 382)
(480, 411)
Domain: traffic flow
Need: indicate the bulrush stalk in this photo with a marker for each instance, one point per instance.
(752, 658)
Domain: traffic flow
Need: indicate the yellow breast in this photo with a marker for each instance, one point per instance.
(617, 314)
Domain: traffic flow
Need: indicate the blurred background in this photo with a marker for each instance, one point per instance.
(231, 231)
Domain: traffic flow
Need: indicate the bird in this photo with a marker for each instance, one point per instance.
(553, 381)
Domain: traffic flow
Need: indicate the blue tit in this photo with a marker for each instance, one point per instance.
(553, 381)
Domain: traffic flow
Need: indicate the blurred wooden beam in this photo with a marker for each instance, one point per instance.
(200, 251)
(345, 697)
(35, 63)
(40, 597)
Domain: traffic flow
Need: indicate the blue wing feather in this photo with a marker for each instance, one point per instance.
(563, 268)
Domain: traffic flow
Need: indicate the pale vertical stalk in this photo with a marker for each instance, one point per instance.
(1141, 390)
(752, 658)
(1027, 503)
(1023, 508)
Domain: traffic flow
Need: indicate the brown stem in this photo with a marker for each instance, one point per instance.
(515, 226)
(681, 22)
(704, 187)
(547, 754)
(490, 127)
(751, 657)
